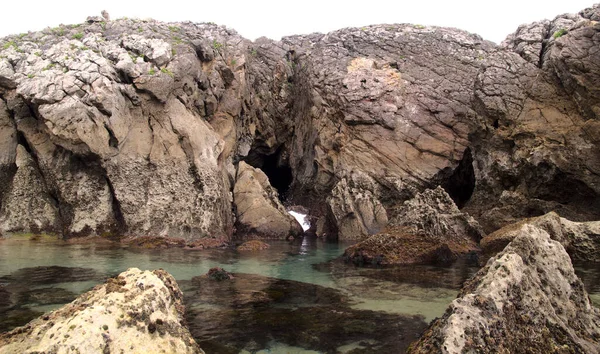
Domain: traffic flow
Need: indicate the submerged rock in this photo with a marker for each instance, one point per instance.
(253, 245)
(219, 274)
(295, 313)
(526, 299)
(428, 229)
(153, 242)
(51, 275)
(138, 311)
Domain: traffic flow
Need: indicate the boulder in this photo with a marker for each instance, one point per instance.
(435, 214)
(136, 312)
(526, 299)
(259, 212)
(399, 246)
(428, 229)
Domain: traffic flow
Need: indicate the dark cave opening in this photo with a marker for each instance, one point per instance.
(461, 183)
(277, 169)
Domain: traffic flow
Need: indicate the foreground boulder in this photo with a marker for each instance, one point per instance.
(426, 229)
(258, 209)
(580, 239)
(136, 312)
(527, 299)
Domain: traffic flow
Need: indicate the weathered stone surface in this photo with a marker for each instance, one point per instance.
(566, 46)
(428, 229)
(526, 299)
(398, 246)
(258, 209)
(134, 312)
(120, 144)
(433, 213)
(356, 208)
(580, 239)
(28, 206)
(136, 126)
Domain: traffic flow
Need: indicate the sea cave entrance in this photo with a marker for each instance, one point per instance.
(277, 169)
(461, 183)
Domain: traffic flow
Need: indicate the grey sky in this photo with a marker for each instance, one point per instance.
(252, 19)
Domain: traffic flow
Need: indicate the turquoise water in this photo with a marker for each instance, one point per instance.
(292, 298)
(326, 305)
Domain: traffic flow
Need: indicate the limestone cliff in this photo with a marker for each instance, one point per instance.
(137, 127)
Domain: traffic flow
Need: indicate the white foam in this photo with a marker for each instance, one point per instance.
(301, 219)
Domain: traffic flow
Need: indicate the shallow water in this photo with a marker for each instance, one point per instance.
(291, 298)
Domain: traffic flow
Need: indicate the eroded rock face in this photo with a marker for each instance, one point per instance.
(258, 209)
(137, 127)
(134, 312)
(117, 143)
(527, 298)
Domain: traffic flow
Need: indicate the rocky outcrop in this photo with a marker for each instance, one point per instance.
(433, 213)
(566, 46)
(428, 229)
(258, 210)
(526, 299)
(138, 127)
(134, 312)
(356, 208)
(580, 239)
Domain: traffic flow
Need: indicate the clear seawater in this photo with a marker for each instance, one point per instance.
(294, 297)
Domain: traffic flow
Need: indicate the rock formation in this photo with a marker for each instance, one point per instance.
(258, 210)
(580, 239)
(138, 127)
(526, 299)
(137, 312)
(427, 229)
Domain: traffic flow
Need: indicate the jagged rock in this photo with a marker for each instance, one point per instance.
(565, 46)
(433, 213)
(580, 239)
(116, 157)
(428, 229)
(94, 19)
(258, 209)
(134, 312)
(354, 204)
(526, 299)
(7, 75)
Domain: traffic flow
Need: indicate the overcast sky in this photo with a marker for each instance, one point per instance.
(493, 20)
